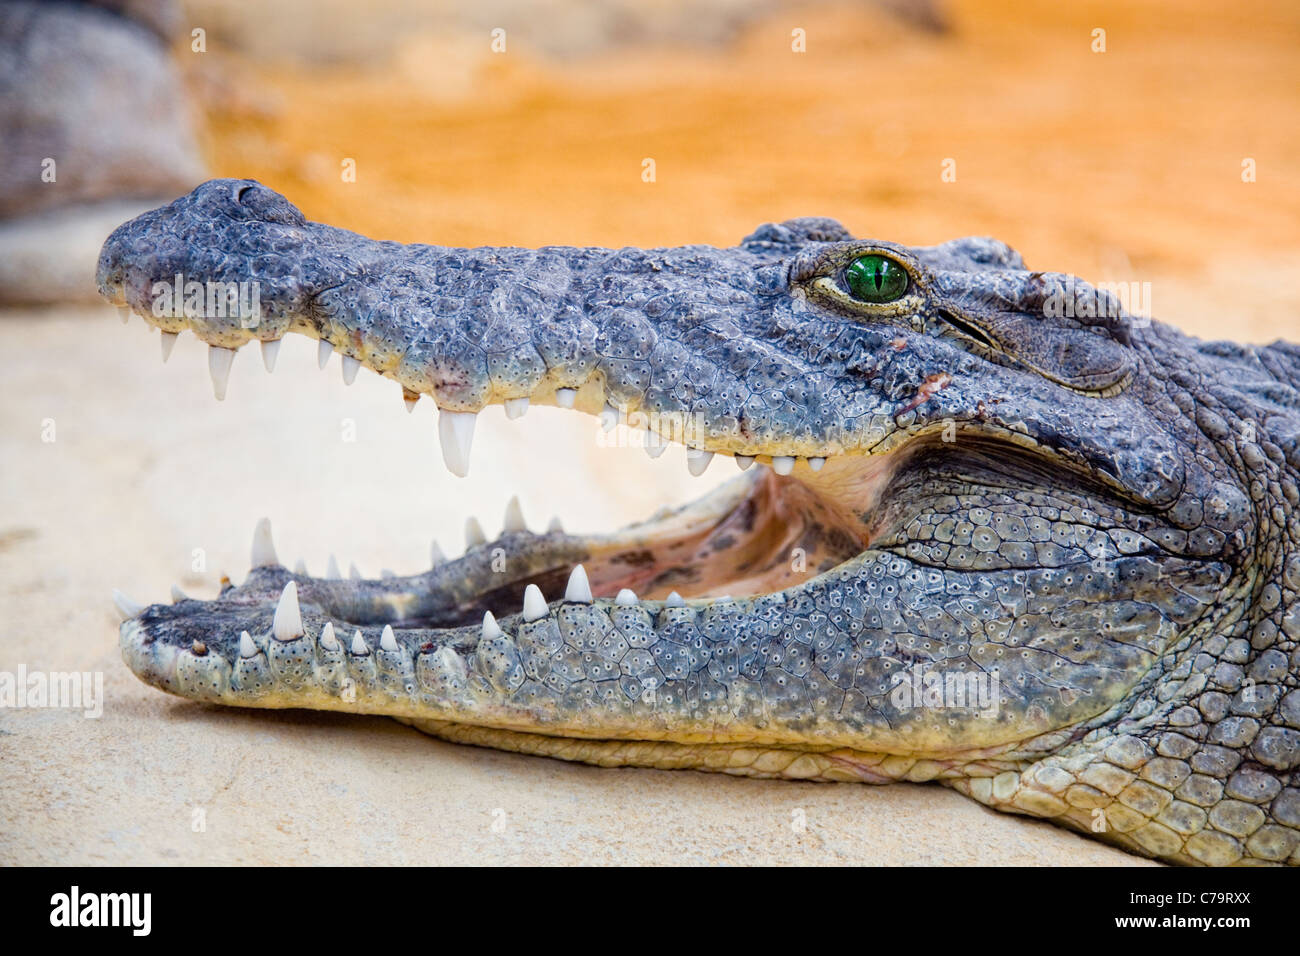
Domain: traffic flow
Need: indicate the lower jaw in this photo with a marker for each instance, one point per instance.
(744, 759)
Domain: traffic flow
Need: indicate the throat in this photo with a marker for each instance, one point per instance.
(777, 537)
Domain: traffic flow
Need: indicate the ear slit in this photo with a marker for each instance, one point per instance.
(970, 331)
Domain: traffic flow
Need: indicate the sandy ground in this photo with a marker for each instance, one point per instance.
(1122, 166)
(147, 467)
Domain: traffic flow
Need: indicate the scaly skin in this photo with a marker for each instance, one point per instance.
(1098, 512)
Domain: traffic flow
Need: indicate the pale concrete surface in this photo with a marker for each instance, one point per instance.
(146, 467)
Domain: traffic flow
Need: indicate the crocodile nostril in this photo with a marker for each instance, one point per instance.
(239, 194)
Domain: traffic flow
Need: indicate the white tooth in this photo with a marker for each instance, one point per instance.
(124, 313)
(323, 352)
(625, 598)
(246, 646)
(655, 445)
(697, 460)
(263, 552)
(579, 589)
(490, 626)
(411, 402)
(327, 638)
(555, 527)
(270, 349)
(674, 600)
(608, 418)
(565, 397)
(534, 603)
(332, 569)
(350, 366)
(178, 595)
(219, 360)
(168, 342)
(353, 573)
(287, 623)
(388, 640)
(387, 573)
(359, 644)
(782, 464)
(125, 606)
(474, 535)
(744, 461)
(514, 517)
(516, 407)
(300, 568)
(436, 557)
(816, 463)
(456, 433)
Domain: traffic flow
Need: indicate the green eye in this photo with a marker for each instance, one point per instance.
(876, 279)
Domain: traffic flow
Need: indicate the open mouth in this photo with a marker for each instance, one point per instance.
(781, 522)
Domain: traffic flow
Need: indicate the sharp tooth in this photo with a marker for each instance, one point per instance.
(219, 360)
(674, 600)
(655, 445)
(287, 624)
(332, 569)
(350, 366)
(514, 517)
(359, 644)
(491, 628)
(388, 640)
(410, 398)
(555, 527)
(387, 573)
(534, 603)
(124, 313)
(323, 352)
(353, 573)
(178, 595)
(782, 464)
(125, 606)
(168, 342)
(456, 433)
(327, 638)
(697, 460)
(744, 461)
(608, 418)
(579, 589)
(263, 551)
(625, 598)
(816, 463)
(300, 568)
(246, 646)
(565, 397)
(474, 535)
(516, 407)
(270, 349)
(436, 557)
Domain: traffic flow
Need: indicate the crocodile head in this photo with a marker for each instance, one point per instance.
(991, 529)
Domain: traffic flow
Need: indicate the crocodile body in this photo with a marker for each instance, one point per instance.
(991, 530)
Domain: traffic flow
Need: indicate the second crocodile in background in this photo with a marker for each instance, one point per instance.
(1000, 534)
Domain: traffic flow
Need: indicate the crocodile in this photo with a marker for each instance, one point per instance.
(991, 528)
